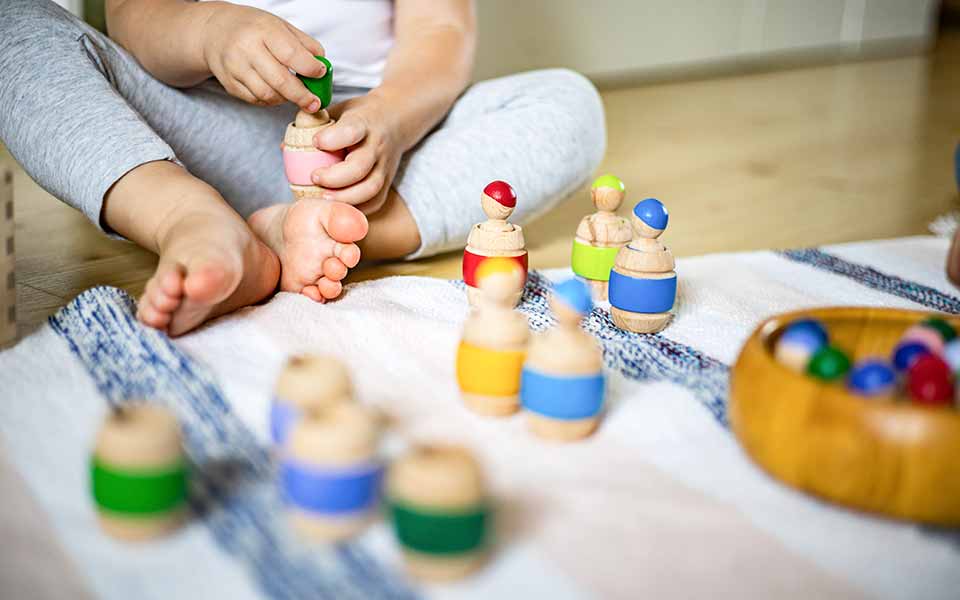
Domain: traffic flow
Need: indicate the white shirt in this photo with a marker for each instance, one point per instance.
(356, 34)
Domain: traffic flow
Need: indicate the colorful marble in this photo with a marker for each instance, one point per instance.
(951, 355)
(930, 381)
(799, 342)
(828, 364)
(947, 332)
(906, 353)
(927, 336)
(872, 377)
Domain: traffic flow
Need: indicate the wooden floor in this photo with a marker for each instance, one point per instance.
(771, 160)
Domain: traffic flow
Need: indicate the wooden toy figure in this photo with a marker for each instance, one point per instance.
(300, 156)
(439, 511)
(330, 474)
(307, 382)
(8, 287)
(494, 343)
(643, 284)
(600, 236)
(562, 386)
(494, 237)
(139, 473)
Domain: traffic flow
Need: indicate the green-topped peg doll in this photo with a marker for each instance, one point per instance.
(600, 236)
(300, 157)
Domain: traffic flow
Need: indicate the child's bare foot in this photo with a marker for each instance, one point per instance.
(315, 240)
(209, 266)
(210, 261)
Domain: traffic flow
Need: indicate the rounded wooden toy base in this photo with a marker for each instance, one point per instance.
(492, 406)
(429, 567)
(328, 529)
(640, 322)
(138, 529)
(889, 457)
(473, 296)
(559, 430)
(598, 289)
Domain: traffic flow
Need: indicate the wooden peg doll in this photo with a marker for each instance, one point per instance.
(440, 513)
(300, 156)
(330, 474)
(600, 236)
(494, 342)
(643, 283)
(562, 386)
(139, 473)
(307, 381)
(494, 237)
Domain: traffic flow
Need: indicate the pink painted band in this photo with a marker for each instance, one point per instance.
(299, 165)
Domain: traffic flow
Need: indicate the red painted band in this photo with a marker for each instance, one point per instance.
(471, 261)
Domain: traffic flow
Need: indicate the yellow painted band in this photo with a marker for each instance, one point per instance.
(489, 372)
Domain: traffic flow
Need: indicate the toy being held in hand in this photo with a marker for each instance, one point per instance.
(300, 157)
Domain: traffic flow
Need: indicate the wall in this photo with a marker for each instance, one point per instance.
(616, 39)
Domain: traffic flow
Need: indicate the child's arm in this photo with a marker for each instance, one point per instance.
(428, 67)
(248, 50)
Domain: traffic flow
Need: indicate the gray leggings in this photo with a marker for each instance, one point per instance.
(78, 112)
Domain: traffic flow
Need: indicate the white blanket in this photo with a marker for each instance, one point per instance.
(661, 502)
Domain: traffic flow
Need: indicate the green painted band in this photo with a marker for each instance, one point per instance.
(592, 262)
(138, 492)
(321, 87)
(434, 532)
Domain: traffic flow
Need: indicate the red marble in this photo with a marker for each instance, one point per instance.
(930, 381)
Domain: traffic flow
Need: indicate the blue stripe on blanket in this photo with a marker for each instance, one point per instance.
(641, 357)
(233, 486)
(916, 292)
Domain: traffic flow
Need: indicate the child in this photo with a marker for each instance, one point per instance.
(167, 134)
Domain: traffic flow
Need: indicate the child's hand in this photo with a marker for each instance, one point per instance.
(248, 51)
(369, 131)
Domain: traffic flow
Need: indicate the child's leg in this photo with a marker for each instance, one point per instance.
(543, 132)
(89, 124)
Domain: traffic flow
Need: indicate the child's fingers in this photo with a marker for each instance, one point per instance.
(292, 53)
(362, 192)
(348, 131)
(261, 90)
(357, 165)
(314, 47)
(237, 89)
(284, 83)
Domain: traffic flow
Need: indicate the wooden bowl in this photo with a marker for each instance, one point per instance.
(880, 456)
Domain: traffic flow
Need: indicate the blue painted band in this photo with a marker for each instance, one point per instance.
(282, 417)
(559, 397)
(642, 295)
(330, 491)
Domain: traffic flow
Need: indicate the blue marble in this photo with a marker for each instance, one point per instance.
(871, 377)
(906, 353)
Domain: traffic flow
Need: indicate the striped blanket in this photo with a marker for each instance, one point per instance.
(661, 501)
